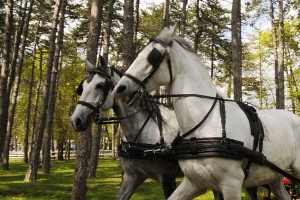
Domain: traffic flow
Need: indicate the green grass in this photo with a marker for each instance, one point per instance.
(58, 184)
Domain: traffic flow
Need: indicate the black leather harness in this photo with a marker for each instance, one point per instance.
(183, 148)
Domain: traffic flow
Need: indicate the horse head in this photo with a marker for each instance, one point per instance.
(147, 70)
(94, 91)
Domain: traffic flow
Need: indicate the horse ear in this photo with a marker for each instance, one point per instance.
(173, 29)
(89, 65)
(102, 61)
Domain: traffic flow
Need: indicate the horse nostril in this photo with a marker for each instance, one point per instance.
(121, 89)
(78, 122)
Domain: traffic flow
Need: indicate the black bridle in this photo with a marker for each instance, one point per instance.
(108, 84)
(95, 115)
(155, 58)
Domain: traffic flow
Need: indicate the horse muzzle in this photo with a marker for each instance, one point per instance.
(78, 123)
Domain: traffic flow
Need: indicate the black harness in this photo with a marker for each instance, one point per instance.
(130, 149)
(106, 87)
(183, 148)
(155, 58)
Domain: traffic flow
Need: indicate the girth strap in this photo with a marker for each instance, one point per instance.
(256, 130)
(206, 147)
(143, 151)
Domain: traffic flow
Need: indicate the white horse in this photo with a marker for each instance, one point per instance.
(96, 90)
(169, 59)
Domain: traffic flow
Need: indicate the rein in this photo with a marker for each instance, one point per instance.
(209, 147)
(126, 149)
(113, 120)
(201, 147)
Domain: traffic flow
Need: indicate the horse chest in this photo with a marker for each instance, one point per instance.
(209, 171)
(189, 115)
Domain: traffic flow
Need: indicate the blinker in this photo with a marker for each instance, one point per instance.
(155, 57)
(80, 88)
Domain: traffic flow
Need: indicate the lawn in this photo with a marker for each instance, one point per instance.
(58, 184)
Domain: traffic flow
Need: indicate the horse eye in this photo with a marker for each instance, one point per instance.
(99, 86)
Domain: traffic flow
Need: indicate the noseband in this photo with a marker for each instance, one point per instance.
(106, 87)
(155, 58)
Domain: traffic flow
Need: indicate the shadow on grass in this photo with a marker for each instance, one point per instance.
(58, 184)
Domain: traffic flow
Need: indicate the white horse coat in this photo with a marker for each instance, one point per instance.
(188, 76)
(135, 171)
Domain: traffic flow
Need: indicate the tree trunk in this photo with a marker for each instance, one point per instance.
(68, 150)
(113, 139)
(294, 85)
(31, 173)
(199, 29)
(17, 43)
(52, 92)
(164, 90)
(60, 150)
(128, 51)
(35, 107)
(28, 112)
(94, 30)
(95, 151)
(136, 19)
(81, 160)
(280, 103)
(8, 30)
(183, 17)
(107, 33)
(274, 33)
(236, 49)
(16, 87)
(167, 13)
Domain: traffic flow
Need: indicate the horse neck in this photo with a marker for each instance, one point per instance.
(133, 124)
(190, 78)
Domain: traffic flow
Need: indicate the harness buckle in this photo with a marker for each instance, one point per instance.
(151, 152)
(142, 94)
(96, 117)
(125, 147)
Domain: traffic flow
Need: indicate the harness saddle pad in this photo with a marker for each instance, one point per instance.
(216, 147)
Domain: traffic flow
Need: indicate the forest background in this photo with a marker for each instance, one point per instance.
(44, 48)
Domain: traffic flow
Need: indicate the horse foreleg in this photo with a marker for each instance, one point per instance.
(129, 184)
(169, 185)
(252, 192)
(279, 190)
(186, 191)
(218, 195)
(231, 188)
